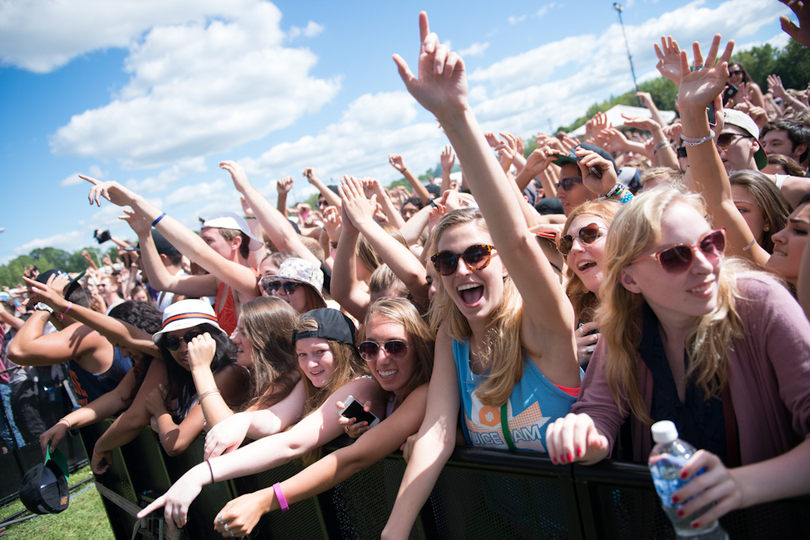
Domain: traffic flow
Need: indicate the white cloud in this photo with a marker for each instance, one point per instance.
(69, 241)
(545, 9)
(514, 20)
(779, 41)
(200, 191)
(200, 87)
(382, 109)
(165, 177)
(311, 30)
(476, 49)
(93, 171)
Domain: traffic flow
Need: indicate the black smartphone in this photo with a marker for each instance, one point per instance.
(729, 93)
(712, 114)
(101, 236)
(354, 409)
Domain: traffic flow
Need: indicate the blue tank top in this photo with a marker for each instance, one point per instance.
(89, 387)
(533, 404)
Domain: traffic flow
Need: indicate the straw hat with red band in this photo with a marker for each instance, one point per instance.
(186, 314)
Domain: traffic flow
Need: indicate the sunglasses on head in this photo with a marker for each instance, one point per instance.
(476, 257)
(271, 287)
(725, 139)
(395, 348)
(567, 183)
(677, 259)
(587, 235)
(173, 343)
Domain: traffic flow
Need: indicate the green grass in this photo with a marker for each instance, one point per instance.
(85, 517)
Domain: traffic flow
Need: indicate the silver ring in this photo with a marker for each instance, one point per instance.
(346, 429)
(232, 535)
(582, 330)
(219, 519)
(589, 349)
(226, 529)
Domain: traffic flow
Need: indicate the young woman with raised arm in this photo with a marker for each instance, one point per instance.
(505, 346)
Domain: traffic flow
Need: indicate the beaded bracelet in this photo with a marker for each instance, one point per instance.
(692, 141)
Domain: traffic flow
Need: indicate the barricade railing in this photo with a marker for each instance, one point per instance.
(479, 494)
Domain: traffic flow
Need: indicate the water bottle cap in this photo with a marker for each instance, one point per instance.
(664, 431)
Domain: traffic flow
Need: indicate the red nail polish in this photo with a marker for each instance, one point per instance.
(683, 474)
(579, 452)
(695, 525)
(554, 460)
(680, 512)
(570, 458)
(674, 499)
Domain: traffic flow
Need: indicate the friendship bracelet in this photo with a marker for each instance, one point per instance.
(210, 468)
(154, 223)
(69, 425)
(206, 394)
(102, 456)
(750, 245)
(663, 144)
(282, 501)
(70, 305)
(693, 141)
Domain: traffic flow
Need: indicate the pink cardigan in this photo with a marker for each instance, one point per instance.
(769, 377)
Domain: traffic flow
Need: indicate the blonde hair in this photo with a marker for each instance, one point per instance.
(368, 256)
(402, 311)
(584, 301)
(347, 366)
(383, 278)
(503, 340)
(635, 229)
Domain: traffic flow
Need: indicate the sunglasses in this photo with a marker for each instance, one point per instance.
(395, 348)
(476, 257)
(173, 343)
(587, 235)
(725, 139)
(732, 73)
(272, 287)
(567, 183)
(677, 259)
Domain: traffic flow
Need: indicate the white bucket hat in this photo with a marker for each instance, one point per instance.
(186, 314)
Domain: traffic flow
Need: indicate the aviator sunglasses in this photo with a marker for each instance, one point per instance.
(476, 257)
(587, 235)
(173, 343)
(567, 183)
(724, 140)
(271, 287)
(395, 348)
(678, 258)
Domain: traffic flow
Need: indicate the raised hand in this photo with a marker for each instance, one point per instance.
(284, 185)
(800, 33)
(396, 162)
(112, 191)
(640, 122)
(775, 86)
(48, 293)
(492, 140)
(201, 351)
(507, 150)
(646, 97)
(612, 140)
(441, 84)
(669, 60)
(240, 179)
(139, 224)
(448, 159)
(332, 223)
(309, 172)
(539, 160)
(246, 209)
(588, 161)
(359, 209)
(707, 81)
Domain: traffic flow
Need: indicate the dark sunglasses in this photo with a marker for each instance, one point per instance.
(173, 343)
(587, 235)
(677, 259)
(567, 183)
(732, 73)
(395, 348)
(476, 257)
(725, 139)
(271, 287)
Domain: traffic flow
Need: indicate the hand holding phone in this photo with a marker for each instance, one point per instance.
(357, 417)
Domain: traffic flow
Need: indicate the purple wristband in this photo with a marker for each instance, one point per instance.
(157, 220)
(282, 501)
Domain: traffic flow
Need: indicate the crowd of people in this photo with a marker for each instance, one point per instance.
(537, 303)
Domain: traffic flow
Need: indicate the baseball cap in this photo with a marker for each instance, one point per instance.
(332, 324)
(572, 157)
(733, 117)
(229, 220)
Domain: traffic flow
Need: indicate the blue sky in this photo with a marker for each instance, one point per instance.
(154, 93)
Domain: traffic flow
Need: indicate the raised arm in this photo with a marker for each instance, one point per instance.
(447, 161)
(277, 227)
(419, 190)
(707, 175)
(327, 193)
(351, 293)
(283, 187)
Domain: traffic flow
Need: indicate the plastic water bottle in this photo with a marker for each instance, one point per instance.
(667, 458)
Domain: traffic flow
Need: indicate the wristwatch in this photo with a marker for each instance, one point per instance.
(41, 306)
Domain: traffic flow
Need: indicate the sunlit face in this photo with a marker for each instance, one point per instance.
(297, 299)
(181, 355)
(578, 193)
(393, 375)
(750, 210)
(140, 296)
(476, 293)
(315, 359)
(430, 277)
(586, 259)
(735, 75)
(408, 211)
(739, 155)
(774, 168)
(267, 267)
(217, 242)
(677, 298)
(244, 349)
(789, 244)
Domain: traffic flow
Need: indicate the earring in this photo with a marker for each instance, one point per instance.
(767, 228)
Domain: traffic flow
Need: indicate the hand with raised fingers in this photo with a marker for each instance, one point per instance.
(539, 160)
(673, 131)
(396, 162)
(775, 86)
(640, 122)
(284, 185)
(448, 159)
(507, 150)
(612, 140)
(669, 59)
(800, 33)
(332, 223)
(48, 293)
(351, 426)
(436, 214)
(441, 84)
(246, 209)
(708, 80)
(227, 435)
(599, 123)
(359, 209)
(492, 140)
(757, 114)
(139, 224)
(240, 179)
(520, 145)
(575, 438)
(112, 191)
(240, 516)
(598, 174)
(646, 98)
(309, 172)
(715, 484)
(201, 351)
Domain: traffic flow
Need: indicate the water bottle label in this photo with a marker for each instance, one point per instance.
(666, 488)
